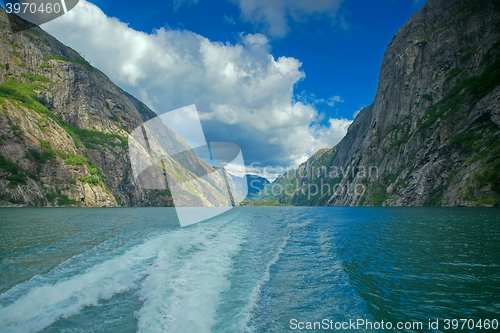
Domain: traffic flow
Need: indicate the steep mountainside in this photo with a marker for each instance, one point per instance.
(255, 184)
(431, 135)
(252, 184)
(64, 131)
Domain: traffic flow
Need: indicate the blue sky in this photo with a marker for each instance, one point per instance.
(280, 78)
(337, 60)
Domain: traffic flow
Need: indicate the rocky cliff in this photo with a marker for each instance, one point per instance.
(64, 130)
(431, 135)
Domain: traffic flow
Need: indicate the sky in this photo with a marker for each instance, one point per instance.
(280, 78)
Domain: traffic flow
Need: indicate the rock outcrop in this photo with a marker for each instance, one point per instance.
(431, 135)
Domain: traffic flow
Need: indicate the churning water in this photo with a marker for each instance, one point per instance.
(248, 270)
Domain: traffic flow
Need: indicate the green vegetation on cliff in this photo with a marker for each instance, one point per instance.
(16, 174)
(76, 61)
(25, 93)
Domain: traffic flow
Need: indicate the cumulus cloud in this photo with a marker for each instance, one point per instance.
(243, 93)
(275, 15)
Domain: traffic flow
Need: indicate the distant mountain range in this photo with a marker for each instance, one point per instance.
(431, 136)
(253, 183)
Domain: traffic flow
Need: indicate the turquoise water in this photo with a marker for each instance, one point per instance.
(249, 270)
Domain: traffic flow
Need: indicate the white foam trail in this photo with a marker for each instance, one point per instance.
(256, 294)
(181, 295)
(180, 276)
(42, 305)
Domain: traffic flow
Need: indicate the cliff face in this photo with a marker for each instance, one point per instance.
(64, 130)
(431, 135)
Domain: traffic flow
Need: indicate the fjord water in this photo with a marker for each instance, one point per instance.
(248, 270)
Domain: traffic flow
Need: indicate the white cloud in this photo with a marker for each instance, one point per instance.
(304, 97)
(334, 99)
(274, 15)
(179, 3)
(270, 173)
(244, 94)
(229, 20)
